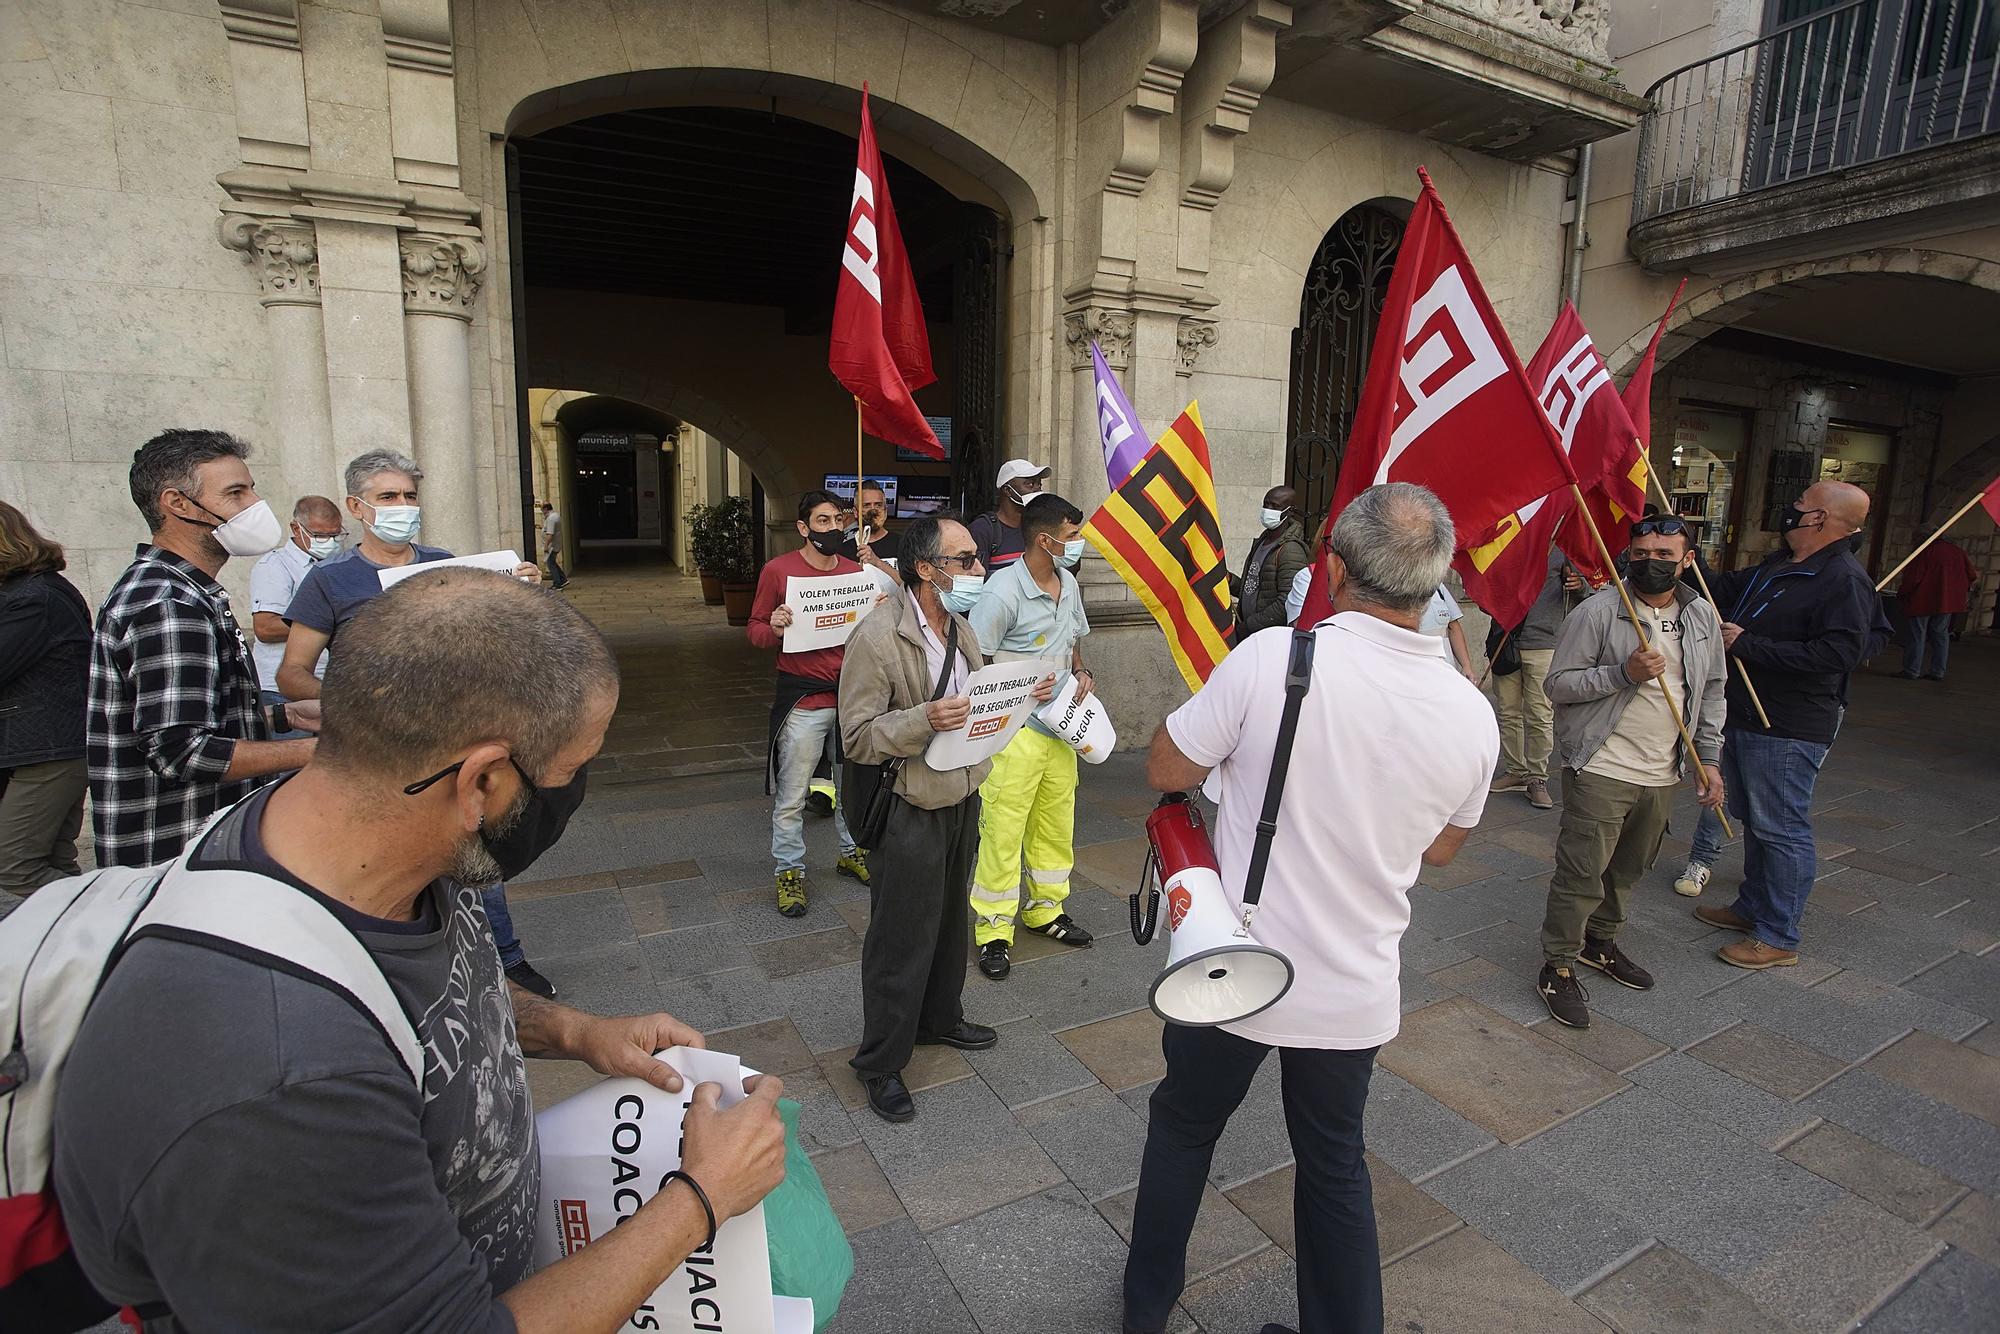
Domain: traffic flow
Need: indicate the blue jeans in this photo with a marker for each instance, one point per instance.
(1926, 644)
(502, 922)
(1770, 781)
(800, 746)
(1707, 844)
(1333, 1203)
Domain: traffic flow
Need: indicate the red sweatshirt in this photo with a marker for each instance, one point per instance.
(1938, 582)
(821, 664)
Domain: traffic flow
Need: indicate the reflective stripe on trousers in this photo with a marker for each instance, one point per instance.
(1027, 807)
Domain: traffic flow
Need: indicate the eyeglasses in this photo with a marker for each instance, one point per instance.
(962, 563)
(422, 783)
(1664, 526)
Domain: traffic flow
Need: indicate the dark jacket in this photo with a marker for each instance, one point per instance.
(1806, 626)
(1274, 560)
(44, 669)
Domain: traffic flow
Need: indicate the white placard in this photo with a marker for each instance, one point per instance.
(826, 609)
(603, 1154)
(506, 562)
(1000, 704)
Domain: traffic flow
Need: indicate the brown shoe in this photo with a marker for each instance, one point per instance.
(1538, 794)
(1753, 953)
(1722, 917)
(1507, 783)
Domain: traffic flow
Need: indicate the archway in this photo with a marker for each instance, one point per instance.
(1340, 303)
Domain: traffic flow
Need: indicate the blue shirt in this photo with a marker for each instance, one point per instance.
(1015, 619)
(336, 588)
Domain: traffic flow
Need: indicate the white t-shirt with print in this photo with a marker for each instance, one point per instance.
(1644, 745)
(1389, 751)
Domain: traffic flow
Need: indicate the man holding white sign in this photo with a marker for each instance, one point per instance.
(803, 714)
(904, 682)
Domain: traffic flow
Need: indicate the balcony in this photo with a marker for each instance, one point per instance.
(1866, 123)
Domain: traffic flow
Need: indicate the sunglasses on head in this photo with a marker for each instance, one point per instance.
(1664, 526)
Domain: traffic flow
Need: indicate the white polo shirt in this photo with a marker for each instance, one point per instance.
(1389, 751)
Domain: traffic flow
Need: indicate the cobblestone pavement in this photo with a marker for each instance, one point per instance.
(1794, 1150)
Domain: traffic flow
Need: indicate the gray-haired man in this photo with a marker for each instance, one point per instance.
(1393, 754)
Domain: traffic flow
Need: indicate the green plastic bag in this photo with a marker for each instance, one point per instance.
(810, 1256)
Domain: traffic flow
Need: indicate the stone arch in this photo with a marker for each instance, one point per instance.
(1730, 300)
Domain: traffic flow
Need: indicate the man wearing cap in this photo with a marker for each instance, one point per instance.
(997, 533)
(1031, 609)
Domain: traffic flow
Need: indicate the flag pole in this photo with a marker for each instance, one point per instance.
(857, 464)
(1667, 507)
(1639, 628)
(1962, 511)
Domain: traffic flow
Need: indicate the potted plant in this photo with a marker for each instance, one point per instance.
(735, 556)
(701, 544)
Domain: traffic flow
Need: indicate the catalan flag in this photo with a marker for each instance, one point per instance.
(1160, 532)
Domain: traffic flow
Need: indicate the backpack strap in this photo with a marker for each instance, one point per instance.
(1298, 680)
(268, 922)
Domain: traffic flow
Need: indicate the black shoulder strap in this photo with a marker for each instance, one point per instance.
(1298, 680)
(950, 647)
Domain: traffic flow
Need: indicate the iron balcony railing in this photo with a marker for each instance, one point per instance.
(1849, 84)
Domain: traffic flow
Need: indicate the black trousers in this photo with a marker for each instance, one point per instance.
(1333, 1205)
(913, 959)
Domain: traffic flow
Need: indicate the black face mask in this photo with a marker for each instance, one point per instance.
(1796, 518)
(827, 543)
(1653, 577)
(538, 827)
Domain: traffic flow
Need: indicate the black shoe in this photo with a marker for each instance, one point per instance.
(968, 1036)
(1065, 931)
(890, 1097)
(1564, 996)
(819, 803)
(1608, 959)
(1279, 1329)
(524, 976)
(993, 960)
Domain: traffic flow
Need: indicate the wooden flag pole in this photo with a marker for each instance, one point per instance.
(857, 465)
(1667, 507)
(1639, 628)
(1962, 511)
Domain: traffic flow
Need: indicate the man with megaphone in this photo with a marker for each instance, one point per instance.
(1400, 749)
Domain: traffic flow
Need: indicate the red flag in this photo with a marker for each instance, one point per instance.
(1504, 573)
(880, 349)
(1446, 404)
(1638, 392)
(1990, 498)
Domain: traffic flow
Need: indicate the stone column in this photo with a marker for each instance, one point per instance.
(440, 282)
(300, 412)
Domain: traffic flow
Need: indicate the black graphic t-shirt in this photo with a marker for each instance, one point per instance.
(245, 1147)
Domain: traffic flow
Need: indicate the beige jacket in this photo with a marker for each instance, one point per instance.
(885, 681)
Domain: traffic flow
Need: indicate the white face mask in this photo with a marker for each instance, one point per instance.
(1270, 518)
(252, 532)
(322, 548)
(396, 524)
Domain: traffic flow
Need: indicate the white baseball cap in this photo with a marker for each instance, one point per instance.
(1014, 469)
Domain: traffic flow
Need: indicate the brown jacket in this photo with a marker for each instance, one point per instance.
(885, 682)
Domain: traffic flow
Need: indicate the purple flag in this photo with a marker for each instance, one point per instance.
(1125, 441)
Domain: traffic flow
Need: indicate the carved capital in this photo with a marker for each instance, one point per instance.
(441, 274)
(1111, 328)
(285, 256)
(1190, 337)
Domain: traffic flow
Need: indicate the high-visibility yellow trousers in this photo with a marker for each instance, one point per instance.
(1027, 811)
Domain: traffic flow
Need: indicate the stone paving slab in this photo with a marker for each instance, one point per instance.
(1664, 1292)
(1965, 981)
(1881, 1176)
(1817, 1019)
(1046, 1262)
(1494, 1072)
(962, 1156)
(1943, 1297)
(1028, 1065)
(1745, 1109)
(1900, 1005)
(1123, 1052)
(929, 1068)
(1768, 1060)
(1973, 1224)
(859, 1192)
(1414, 1132)
(1244, 1296)
(1606, 1042)
(1563, 1234)
(1096, 1139)
(692, 951)
(1954, 1075)
(1852, 1258)
(1222, 1234)
(1465, 1284)
(1962, 1147)
(899, 1288)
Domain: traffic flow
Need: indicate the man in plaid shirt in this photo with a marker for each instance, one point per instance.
(176, 731)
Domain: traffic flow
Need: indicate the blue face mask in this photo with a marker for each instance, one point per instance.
(1072, 551)
(963, 595)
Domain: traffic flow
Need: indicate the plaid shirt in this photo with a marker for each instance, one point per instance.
(172, 690)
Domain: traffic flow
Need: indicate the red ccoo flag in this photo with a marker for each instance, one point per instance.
(1446, 404)
(1990, 498)
(880, 349)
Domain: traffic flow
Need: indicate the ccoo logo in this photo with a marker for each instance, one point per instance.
(1178, 903)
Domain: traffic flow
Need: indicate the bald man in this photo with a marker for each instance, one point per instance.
(1801, 621)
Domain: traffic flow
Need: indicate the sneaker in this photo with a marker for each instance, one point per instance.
(792, 893)
(1065, 931)
(1538, 794)
(993, 960)
(1693, 880)
(1564, 996)
(1507, 783)
(854, 866)
(524, 976)
(819, 799)
(1608, 959)
(1755, 955)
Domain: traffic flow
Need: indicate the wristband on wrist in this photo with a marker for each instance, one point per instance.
(280, 721)
(701, 1196)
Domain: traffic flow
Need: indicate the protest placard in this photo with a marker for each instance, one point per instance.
(503, 561)
(1000, 704)
(825, 610)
